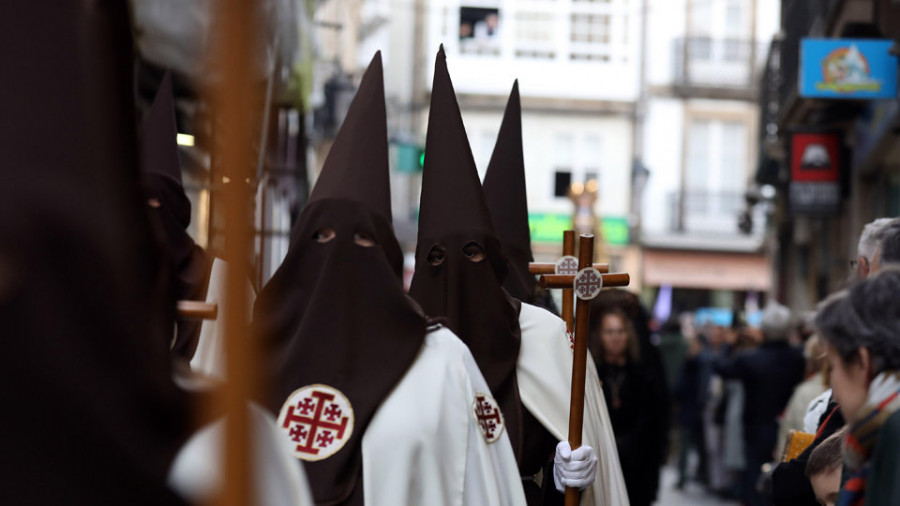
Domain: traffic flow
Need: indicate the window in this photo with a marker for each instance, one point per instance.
(716, 165)
(734, 17)
(479, 30)
(534, 34)
(716, 161)
(734, 157)
(698, 155)
(590, 28)
(590, 36)
(701, 49)
(563, 179)
(701, 17)
(592, 149)
(733, 51)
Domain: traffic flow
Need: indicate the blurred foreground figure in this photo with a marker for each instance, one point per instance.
(92, 414)
(381, 406)
(523, 351)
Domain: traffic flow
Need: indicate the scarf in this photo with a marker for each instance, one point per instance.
(882, 402)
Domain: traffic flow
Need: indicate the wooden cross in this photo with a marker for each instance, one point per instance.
(586, 284)
(539, 268)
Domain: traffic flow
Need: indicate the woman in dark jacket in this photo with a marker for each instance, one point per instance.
(633, 402)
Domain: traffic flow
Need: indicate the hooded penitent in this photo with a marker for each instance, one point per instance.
(504, 191)
(459, 263)
(172, 210)
(90, 414)
(338, 330)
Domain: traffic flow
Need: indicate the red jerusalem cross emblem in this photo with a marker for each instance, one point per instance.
(588, 283)
(318, 420)
(488, 417)
(567, 265)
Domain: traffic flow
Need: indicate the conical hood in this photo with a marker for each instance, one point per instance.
(91, 414)
(460, 267)
(159, 148)
(452, 200)
(504, 190)
(362, 140)
(171, 209)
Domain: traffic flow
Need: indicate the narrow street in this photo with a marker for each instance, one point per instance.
(692, 494)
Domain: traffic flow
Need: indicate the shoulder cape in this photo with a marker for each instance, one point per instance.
(424, 446)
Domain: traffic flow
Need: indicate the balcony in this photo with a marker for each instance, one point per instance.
(717, 68)
(709, 221)
(709, 213)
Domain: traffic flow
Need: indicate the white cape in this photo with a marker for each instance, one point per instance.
(424, 446)
(544, 373)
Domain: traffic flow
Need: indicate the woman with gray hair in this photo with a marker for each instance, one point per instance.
(861, 330)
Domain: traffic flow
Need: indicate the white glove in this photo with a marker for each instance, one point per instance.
(575, 469)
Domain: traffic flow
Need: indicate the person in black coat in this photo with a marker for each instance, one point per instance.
(768, 375)
(633, 400)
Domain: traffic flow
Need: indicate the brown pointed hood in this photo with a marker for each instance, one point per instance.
(504, 190)
(334, 314)
(361, 141)
(172, 211)
(452, 200)
(459, 264)
(90, 412)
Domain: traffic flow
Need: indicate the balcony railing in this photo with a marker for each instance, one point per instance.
(705, 212)
(708, 63)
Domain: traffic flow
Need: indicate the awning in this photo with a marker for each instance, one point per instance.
(707, 270)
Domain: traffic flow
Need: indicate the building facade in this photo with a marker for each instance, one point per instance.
(815, 248)
(578, 66)
(701, 228)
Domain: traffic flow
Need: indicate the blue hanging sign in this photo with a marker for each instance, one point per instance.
(847, 69)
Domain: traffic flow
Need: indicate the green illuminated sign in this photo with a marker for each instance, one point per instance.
(410, 158)
(549, 227)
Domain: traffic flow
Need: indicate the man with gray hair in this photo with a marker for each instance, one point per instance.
(869, 244)
(888, 251)
(769, 375)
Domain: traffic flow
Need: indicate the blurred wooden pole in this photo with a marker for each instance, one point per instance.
(568, 302)
(233, 103)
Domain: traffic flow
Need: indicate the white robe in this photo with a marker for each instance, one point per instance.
(424, 446)
(544, 373)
